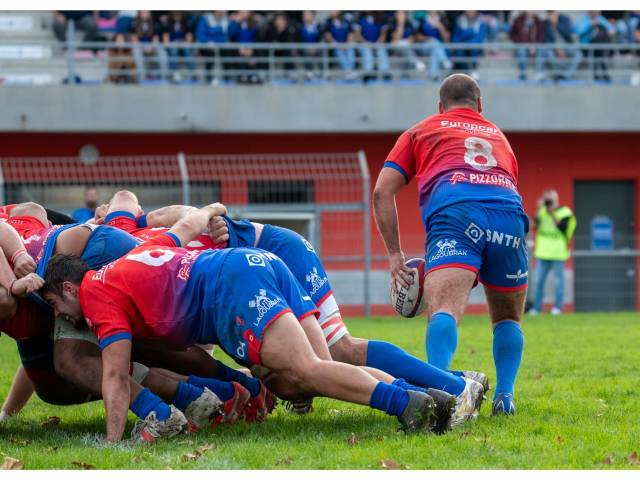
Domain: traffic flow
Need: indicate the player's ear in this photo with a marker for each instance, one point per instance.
(70, 288)
(440, 108)
(480, 105)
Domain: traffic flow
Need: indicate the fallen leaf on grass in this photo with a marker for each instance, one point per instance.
(633, 459)
(12, 464)
(189, 456)
(83, 465)
(352, 440)
(559, 439)
(608, 460)
(136, 459)
(465, 434)
(22, 443)
(51, 421)
(205, 447)
(472, 351)
(284, 461)
(197, 453)
(389, 464)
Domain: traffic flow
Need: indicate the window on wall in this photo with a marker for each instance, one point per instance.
(280, 191)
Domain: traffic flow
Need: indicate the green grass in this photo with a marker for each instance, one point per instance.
(577, 400)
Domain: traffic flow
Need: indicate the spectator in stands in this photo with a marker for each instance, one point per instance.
(593, 28)
(177, 27)
(554, 227)
(122, 67)
(310, 31)
(213, 27)
(371, 31)
(87, 212)
(469, 28)
(244, 28)
(150, 57)
(106, 20)
(280, 30)
(528, 28)
(82, 20)
(339, 30)
(566, 59)
(401, 36)
(125, 20)
(432, 32)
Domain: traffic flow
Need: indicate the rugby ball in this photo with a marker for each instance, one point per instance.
(408, 301)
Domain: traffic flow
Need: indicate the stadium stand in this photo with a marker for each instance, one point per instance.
(315, 47)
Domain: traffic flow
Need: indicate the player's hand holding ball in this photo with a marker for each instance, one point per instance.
(401, 276)
(407, 301)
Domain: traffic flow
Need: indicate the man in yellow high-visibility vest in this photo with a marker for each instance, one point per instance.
(554, 226)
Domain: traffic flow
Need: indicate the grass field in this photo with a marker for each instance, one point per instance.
(577, 401)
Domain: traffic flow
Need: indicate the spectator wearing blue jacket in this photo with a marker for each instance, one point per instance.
(91, 197)
(213, 27)
(593, 28)
(371, 31)
(566, 58)
(309, 31)
(432, 33)
(244, 29)
(176, 29)
(338, 31)
(469, 28)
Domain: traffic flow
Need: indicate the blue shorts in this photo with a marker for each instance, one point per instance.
(107, 244)
(254, 288)
(298, 254)
(490, 242)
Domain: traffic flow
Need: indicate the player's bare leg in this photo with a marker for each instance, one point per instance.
(287, 352)
(19, 394)
(506, 310)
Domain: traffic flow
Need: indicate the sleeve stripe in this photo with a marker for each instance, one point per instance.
(116, 337)
(398, 168)
(175, 238)
(120, 213)
(142, 221)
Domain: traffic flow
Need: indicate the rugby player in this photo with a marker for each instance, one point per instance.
(32, 329)
(466, 174)
(244, 300)
(305, 265)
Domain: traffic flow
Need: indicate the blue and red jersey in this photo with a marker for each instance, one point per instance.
(151, 292)
(457, 156)
(128, 222)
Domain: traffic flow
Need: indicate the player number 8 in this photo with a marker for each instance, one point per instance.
(478, 147)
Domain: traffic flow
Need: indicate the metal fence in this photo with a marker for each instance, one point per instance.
(287, 63)
(325, 197)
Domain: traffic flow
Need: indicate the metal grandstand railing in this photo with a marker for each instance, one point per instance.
(289, 63)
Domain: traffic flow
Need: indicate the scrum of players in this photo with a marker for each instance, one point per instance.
(125, 307)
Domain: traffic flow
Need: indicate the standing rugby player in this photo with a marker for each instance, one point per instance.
(466, 174)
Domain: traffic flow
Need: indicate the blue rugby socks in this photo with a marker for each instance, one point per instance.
(185, 394)
(396, 362)
(508, 344)
(389, 398)
(147, 402)
(224, 390)
(442, 339)
(230, 375)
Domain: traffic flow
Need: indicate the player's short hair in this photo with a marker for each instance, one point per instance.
(63, 268)
(459, 90)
